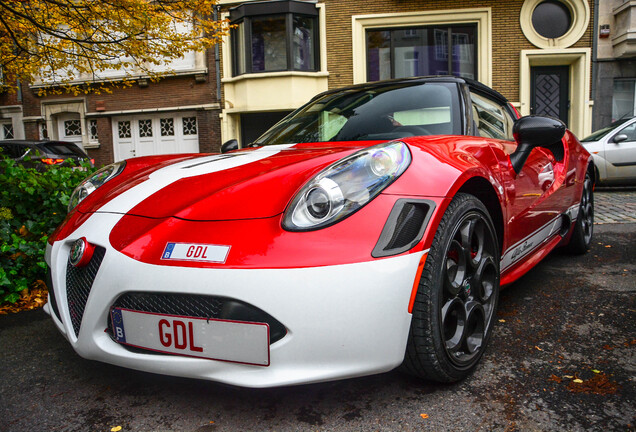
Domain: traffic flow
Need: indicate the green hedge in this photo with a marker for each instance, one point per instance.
(32, 204)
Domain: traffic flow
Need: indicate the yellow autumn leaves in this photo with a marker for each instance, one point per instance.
(62, 41)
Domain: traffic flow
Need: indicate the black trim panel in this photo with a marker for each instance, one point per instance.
(396, 223)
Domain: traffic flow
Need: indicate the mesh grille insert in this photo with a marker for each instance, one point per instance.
(404, 227)
(79, 281)
(199, 306)
(407, 227)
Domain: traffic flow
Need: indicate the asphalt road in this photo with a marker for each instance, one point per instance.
(571, 318)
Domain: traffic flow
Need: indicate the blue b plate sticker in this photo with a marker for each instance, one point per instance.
(118, 325)
(195, 252)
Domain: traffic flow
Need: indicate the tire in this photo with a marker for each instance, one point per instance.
(455, 304)
(584, 225)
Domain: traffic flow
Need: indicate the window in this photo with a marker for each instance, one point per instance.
(624, 99)
(189, 125)
(383, 113)
(92, 129)
(551, 19)
(6, 131)
(430, 50)
(167, 126)
(491, 119)
(630, 131)
(13, 151)
(554, 23)
(145, 128)
(43, 131)
(72, 128)
(279, 36)
(124, 129)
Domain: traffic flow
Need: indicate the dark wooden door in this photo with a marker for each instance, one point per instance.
(550, 91)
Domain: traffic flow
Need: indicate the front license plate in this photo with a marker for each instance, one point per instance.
(214, 339)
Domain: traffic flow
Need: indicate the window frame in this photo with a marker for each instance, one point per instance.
(449, 45)
(631, 81)
(244, 14)
(509, 118)
(7, 125)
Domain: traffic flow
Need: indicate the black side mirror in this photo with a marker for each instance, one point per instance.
(534, 131)
(619, 138)
(229, 146)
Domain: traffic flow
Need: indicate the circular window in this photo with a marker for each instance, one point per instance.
(551, 19)
(554, 23)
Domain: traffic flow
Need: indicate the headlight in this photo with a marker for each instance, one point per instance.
(345, 186)
(100, 177)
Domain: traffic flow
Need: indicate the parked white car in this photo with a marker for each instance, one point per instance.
(614, 152)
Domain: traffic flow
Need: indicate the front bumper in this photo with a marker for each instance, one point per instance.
(342, 320)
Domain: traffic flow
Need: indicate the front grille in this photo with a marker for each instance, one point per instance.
(79, 281)
(198, 306)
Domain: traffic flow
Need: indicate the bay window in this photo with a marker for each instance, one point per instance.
(274, 37)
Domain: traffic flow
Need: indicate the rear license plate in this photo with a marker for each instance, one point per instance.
(214, 339)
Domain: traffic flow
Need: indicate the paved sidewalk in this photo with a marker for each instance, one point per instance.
(614, 205)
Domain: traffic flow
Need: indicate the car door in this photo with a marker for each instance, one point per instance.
(534, 195)
(620, 153)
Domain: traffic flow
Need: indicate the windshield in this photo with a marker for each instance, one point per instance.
(602, 132)
(62, 149)
(392, 111)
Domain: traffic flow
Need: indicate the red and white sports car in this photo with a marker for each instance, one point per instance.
(371, 228)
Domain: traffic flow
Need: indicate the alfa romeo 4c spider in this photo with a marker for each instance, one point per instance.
(370, 229)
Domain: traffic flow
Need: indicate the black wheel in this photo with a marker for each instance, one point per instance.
(584, 225)
(457, 297)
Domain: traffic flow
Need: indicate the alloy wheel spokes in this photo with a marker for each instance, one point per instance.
(453, 323)
(475, 327)
(455, 268)
(485, 279)
(471, 277)
(472, 238)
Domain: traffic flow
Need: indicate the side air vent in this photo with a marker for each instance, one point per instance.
(404, 228)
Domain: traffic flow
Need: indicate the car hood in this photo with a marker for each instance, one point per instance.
(249, 184)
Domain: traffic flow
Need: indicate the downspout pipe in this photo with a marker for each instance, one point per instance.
(594, 60)
(217, 59)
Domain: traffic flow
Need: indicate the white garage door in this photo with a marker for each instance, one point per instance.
(145, 135)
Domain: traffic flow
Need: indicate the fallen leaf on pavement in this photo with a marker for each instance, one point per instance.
(555, 378)
(599, 384)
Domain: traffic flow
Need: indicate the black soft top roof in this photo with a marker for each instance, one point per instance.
(474, 85)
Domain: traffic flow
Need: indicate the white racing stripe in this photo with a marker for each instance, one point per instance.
(190, 168)
(530, 243)
(537, 238)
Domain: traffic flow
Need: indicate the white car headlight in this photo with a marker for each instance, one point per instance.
(96, 180)
(345, 186)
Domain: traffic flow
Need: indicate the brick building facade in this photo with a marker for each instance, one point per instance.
(514, 48)
(537, 53)
(615, 62)
(179, 113)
